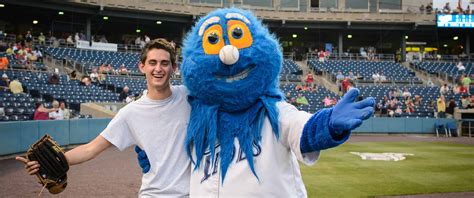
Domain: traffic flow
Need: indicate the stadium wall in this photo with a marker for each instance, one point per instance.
(16, 137)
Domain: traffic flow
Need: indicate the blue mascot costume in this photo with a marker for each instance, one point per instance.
(231, 65)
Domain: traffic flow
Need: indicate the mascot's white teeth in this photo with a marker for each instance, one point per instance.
(241, 75)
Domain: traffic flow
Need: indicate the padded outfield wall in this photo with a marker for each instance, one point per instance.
(16, 137)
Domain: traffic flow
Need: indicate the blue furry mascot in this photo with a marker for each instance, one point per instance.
(242, 137)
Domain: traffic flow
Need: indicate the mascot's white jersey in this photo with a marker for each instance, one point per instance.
(275, 163)
(159, 128)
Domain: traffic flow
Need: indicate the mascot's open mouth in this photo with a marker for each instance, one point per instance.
(239, 76)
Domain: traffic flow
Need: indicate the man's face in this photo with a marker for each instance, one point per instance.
(62, 105)
(157, 69)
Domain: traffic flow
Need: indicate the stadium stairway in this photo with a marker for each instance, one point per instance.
(424, 76)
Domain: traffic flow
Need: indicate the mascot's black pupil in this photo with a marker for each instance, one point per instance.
(213, 38)
(237, 33)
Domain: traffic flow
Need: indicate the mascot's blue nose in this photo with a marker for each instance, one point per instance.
(229, 54)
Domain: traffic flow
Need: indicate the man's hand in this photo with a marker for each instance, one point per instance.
(348, 115)
(31, 167)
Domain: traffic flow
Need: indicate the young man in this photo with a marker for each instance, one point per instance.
(156, 123)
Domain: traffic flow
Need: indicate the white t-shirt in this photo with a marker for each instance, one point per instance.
(275, 163)
(57, 115)
(159, 128)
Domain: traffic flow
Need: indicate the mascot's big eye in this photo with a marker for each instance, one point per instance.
(239, 34)
(212, 40)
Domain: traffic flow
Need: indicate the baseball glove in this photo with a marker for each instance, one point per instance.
(53, 169)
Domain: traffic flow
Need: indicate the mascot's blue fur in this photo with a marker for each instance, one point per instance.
(223, 111)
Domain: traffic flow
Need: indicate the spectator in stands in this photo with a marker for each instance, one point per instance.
(130, 98)
(73, 75)
(376, 77)
(465, 102)
(429, 8)
(102, 68)
(15, 86)
(53, 79)
(28, 39)
(398, 112)
(4, 82)
(441, 106)
(450, 108)
(94, 76)
(69, 40)
(9, 50)
(301, 100)
(430, 83)
(406, 93)
(147, 39)
(362, 52)
(86, 81)
(383, 78)
(447, 8)
(103, 39)
(310, 79)
(307, 87)
(66, 112)
(41, 39)
(299, 87)
(76, 37)
(471, 104)
(468, 10)
(345, 85)
(422, 9)
(460, 67)
(322, 56)
(42, 113)
(466, 82)
(327, 101)
(443, 90)
(57, 114)
(334, 100)
(122, 70)
(417, 101)
(109, 69)
(410, 106)
(39, 56)
(351, 76)
(3, 63)
(383, 106)
(124, 94)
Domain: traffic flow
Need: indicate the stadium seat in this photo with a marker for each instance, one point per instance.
(452, 129)
(438, 127)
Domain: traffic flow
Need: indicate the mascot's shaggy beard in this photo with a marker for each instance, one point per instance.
(224, 109)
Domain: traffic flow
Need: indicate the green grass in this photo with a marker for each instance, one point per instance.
(434, 168)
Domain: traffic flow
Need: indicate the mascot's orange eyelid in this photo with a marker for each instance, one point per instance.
(245, 40)
(212, 48)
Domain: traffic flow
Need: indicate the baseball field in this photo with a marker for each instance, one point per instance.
(435, 167)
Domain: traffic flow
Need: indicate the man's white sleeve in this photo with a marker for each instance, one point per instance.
(118, 131)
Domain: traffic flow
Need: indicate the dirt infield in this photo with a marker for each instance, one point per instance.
(116, 174)
(112, 174)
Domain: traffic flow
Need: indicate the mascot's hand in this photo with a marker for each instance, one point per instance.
(142, 159)
(348, 115)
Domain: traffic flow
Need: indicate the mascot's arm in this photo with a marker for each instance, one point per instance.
(331, 127)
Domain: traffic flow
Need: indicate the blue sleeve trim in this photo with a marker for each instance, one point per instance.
(318, 135)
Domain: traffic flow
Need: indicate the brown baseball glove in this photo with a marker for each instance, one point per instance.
(53, 169)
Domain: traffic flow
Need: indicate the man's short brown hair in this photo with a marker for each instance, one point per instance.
(159, 44)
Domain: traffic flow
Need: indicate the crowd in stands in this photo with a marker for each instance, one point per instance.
(428, 9)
